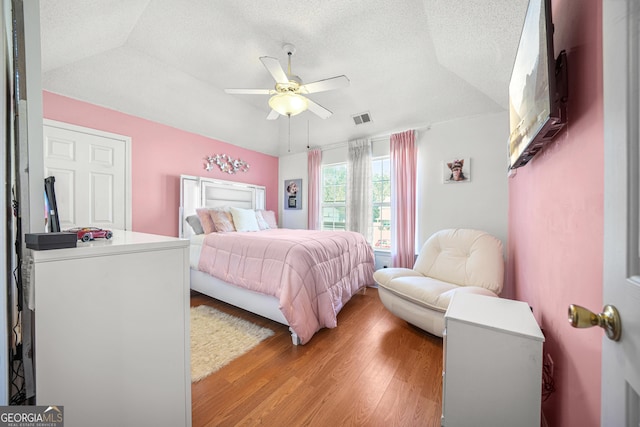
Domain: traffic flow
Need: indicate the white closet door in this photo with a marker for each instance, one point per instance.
(91, 176)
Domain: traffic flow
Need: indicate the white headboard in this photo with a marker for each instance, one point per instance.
(197, 192)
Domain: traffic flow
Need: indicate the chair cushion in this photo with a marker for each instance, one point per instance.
(385, 275)
(430, 293)
(463, 257)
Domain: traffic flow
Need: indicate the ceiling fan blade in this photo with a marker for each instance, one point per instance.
(251, 91)
(337, 82)
(275, 69)
(318, 109)
(273, 115)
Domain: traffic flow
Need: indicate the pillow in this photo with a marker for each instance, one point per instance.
(195, 224)
(205, 220)
(270, 218)
(244, 219)
(262, 224)
(222, 220)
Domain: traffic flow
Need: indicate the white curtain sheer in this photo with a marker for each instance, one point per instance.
(315, 177)
(359, 190)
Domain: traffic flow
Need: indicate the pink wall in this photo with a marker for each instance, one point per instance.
(160, 154)
(556, 223)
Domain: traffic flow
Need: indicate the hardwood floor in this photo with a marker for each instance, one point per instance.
(372, 370)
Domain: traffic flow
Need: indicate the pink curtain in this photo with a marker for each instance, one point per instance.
(403, 198)
(314, 161)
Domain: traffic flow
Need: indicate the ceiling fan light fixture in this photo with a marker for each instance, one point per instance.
(287, 99)
(288, 104)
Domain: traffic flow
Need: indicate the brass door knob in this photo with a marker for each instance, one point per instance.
(609, 320)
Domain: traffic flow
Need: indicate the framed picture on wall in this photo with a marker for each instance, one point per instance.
(293, 194)
(456, 171)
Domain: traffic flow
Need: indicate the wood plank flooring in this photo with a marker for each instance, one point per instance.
(372, 370)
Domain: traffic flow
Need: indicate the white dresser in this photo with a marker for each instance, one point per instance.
(492, 373)
(112, 340)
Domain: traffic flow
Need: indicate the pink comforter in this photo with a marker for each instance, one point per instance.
(312, 273)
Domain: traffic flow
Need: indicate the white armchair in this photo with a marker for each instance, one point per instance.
(450, 261)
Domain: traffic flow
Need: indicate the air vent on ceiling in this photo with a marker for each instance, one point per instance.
(362, 118)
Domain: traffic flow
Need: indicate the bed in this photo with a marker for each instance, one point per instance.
(299, 278)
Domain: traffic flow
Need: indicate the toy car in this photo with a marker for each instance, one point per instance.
(89, 233)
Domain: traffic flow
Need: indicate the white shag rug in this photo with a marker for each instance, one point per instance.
(217, 338)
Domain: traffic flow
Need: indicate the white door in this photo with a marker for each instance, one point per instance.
(92, 180)
(621, 359)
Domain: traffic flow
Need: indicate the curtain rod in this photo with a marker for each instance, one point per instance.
(375, 138)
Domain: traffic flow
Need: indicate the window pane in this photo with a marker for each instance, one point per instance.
(386, 167)
(381, 216)
(341, 194)
(386, 191)
(376, 168)
(334, 180)
(334, 188)
(329, 194)
(381, 231)
(381, 181)
(378, 192)
(333, 218)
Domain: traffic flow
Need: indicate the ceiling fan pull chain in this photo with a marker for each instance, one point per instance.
(289, 115)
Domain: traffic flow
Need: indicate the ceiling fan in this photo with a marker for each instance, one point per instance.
(287, 96)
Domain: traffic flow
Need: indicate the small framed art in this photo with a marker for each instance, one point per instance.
(293, 194)
(456, 170)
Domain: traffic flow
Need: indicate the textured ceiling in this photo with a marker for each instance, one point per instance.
(410, 62)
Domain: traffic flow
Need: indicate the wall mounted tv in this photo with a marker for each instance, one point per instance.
(538, 87)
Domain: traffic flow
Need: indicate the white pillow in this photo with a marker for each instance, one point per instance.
(262, 224)
(244, 219)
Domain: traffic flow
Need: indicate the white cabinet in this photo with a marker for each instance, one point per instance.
(382, 259)
(112, 340)
(492, 374)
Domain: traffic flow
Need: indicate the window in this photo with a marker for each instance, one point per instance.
(334, 196)
(381, 218)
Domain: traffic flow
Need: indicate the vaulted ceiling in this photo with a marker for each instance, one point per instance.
(410, 62)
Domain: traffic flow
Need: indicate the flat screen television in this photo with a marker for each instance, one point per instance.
(537, 89)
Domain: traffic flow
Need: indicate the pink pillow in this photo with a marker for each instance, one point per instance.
(205, 219)
(270, 218)
(223, 221)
